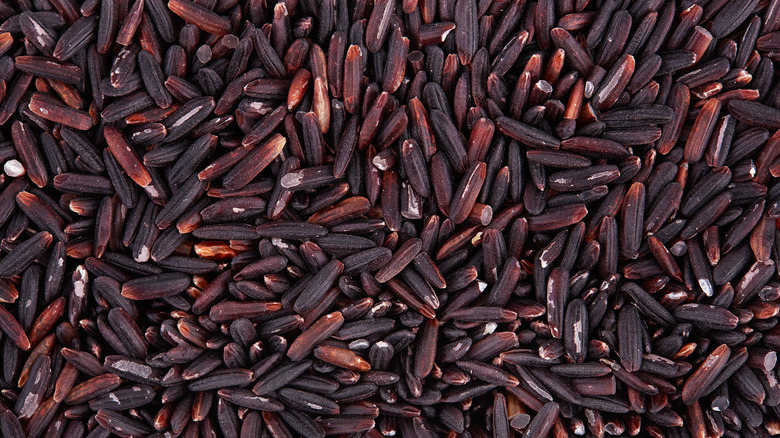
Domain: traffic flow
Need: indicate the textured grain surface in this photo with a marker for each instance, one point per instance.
(410, 218)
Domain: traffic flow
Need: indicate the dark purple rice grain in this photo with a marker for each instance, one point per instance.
(408, 247)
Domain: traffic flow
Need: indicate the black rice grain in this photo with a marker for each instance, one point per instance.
(391, 218)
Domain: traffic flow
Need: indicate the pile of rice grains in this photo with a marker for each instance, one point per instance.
(409, 218)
